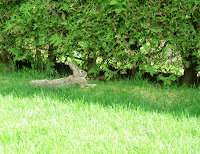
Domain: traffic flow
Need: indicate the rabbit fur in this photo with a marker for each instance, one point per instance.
(78, 77)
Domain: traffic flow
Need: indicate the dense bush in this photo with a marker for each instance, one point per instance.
(111, 36)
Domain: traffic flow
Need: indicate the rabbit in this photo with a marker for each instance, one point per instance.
(78, 77)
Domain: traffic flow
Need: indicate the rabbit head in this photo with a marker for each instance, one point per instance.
(77, 72)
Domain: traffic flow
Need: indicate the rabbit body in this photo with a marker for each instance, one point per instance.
(78, 77)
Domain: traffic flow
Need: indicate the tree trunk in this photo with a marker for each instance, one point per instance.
(39, 61)
(51, 55)
(134, 71)
(190, 73)
(90, 63)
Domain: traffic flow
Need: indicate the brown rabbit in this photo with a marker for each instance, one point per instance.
(78, 77)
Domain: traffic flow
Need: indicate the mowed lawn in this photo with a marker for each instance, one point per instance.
(125, 116)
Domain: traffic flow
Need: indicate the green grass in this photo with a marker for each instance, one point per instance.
(115, 117)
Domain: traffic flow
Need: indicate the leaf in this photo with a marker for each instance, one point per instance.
(119, 10)
(8, 26)
(198, 44)
(114, 2)
(56, 40)
(132, 41)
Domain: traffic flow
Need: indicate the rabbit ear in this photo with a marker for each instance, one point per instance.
(73, 66)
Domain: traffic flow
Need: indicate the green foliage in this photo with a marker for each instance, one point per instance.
(167, 80)
(95, 70)
(124, 34)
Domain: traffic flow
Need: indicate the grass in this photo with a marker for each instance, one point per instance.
(122, 116)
